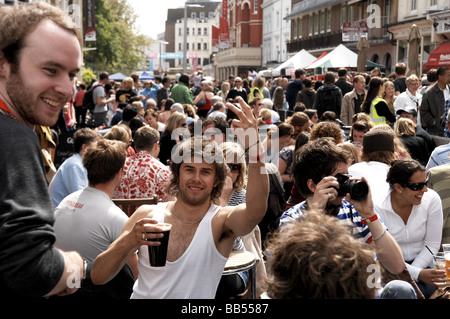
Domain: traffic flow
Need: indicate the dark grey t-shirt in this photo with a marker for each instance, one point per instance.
(30, 265)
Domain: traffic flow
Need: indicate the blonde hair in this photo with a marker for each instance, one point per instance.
(174, 121)
(264, 115)
(412, 78)
(209, 85)
(234, 153)
(405, 126)
(118, 133)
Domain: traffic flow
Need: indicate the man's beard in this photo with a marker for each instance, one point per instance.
(23, 101)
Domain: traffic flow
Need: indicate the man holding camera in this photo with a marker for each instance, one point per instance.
(314, 170)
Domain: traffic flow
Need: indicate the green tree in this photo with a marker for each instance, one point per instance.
(119, 47)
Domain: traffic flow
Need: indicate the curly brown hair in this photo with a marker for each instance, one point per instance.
(326, 129)
(208, 151)
(318, 258)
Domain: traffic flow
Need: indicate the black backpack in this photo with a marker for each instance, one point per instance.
(88, 99)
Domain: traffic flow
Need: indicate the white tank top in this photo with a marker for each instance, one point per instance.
(196, 274)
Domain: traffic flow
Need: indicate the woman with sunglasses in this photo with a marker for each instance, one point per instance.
(413, 215)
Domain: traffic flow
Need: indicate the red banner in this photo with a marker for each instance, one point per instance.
(224, 36)
(89, 14)
(215, 39)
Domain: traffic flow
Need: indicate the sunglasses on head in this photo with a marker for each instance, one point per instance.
(234, 167)
(416, 186)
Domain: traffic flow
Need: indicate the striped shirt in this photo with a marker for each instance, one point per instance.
(439, 156)
(346, 213)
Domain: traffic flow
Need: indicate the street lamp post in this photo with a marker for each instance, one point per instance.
(160, 54)
(185, 32)
(185, 39)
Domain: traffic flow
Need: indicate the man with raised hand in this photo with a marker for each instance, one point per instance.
(202, 234)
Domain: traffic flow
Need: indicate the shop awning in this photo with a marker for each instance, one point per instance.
(439, 57)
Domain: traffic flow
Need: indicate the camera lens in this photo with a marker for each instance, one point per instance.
(358, 189)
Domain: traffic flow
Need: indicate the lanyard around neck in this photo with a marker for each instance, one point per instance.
(5, 108)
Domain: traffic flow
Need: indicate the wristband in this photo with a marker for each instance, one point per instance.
(381, 235)
(369, 220)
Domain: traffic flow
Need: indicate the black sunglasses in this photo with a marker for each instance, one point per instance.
(416, 186)
(234, 167)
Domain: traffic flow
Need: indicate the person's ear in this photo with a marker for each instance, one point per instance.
(311, 185)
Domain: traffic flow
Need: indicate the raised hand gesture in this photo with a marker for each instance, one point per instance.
(245, 128)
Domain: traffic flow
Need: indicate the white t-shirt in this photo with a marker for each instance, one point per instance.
(88, 221)
(375, 173)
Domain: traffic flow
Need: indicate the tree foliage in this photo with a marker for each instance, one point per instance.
(119, 47)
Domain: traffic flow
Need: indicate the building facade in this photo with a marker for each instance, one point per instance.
(245, 20)
(276, 31)
(318, 26)
(420, 13)
(200, 18)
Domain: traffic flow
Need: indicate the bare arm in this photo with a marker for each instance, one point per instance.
(243, 218)
(111, 261)
(387, 249)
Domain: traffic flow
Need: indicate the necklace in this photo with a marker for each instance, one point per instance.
(183, 221)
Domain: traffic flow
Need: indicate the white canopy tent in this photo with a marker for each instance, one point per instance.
(300, 60)
(340, 57)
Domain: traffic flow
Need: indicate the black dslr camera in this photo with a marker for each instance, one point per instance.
(357, 189)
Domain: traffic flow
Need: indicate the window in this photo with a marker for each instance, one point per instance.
(294, 29)
(387, 12)
(199, 46)
(343, 15)
(202, 15)
(199, 61)
(316, 23)
(255, 6)
(205, 31)
(179, 46)
(193, 15)
(187, 46)
(199, 31)
(322, 22)
(328, 20)
(210, 15)
(187, 31)
(310, 24)
(433, 3)
(299, 28)
(205, 46)
(413, 7)
(179, 31)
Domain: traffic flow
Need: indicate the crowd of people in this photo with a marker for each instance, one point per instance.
(320, 179)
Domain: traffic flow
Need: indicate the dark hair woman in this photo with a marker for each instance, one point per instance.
(373, 105)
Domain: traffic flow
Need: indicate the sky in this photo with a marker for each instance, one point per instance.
(152, 14)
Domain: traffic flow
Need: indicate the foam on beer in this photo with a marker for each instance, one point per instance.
(164, 226)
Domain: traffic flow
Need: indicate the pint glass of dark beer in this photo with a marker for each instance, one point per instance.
(158, 254)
